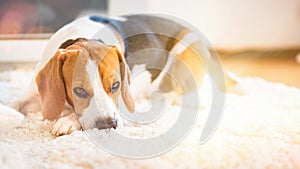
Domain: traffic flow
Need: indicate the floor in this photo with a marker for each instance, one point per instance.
(273, 65)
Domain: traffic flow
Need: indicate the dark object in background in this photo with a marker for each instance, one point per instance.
(36, 16)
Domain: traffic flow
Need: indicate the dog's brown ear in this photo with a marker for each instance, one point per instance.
(51, 87)
(70, 42)
(125, 81)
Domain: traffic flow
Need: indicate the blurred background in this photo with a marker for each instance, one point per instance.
(257, 38)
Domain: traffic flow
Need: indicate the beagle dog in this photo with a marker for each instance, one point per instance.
(108, 49)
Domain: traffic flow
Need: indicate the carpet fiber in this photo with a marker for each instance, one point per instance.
(260, 128)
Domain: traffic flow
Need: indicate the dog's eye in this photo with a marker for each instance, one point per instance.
(80, 92)
(115, 87)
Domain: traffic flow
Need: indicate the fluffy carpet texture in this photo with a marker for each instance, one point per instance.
(260, 128)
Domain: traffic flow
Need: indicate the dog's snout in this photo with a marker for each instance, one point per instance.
(107, 123)
(113, 123)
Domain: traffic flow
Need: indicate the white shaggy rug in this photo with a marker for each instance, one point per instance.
(259, 129)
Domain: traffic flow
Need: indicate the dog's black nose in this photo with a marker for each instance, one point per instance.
(113, 123)
(107, 123)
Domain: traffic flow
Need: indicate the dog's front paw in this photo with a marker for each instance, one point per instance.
(65, 125)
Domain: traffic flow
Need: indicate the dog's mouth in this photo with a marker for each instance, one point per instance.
(106, 123)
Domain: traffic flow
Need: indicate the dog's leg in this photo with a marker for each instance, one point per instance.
(185, 66)
(66, 124)
(184, 70)
(182, 74)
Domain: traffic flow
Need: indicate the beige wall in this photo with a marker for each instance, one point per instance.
(229, 23)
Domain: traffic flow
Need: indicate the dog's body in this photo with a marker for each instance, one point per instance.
(64, 78)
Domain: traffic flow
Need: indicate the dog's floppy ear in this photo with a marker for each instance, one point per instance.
(125, 81)
(51, 87)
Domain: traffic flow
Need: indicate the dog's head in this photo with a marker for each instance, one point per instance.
(89, 76)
